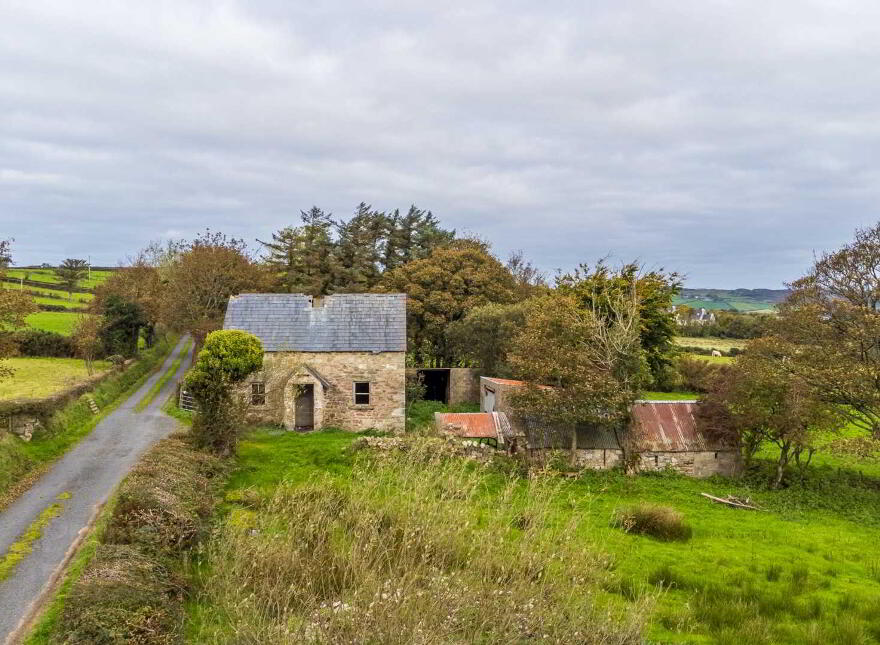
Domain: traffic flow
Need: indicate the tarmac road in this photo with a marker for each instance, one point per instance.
(80, 480)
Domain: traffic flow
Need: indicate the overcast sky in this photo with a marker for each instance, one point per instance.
(726, 140)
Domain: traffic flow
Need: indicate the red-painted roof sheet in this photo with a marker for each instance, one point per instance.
(668, 426)
(470, 425)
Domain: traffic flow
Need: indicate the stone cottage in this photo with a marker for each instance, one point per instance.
(661, 434)
(336, 361)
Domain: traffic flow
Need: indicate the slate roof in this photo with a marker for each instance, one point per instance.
(350, 322)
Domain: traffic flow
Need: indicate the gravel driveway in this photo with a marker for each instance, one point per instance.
(88, 473)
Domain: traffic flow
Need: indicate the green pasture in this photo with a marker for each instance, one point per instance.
(721, 344)
(47, 275)
(53, 296)
(55, 321)
(803, 570)
(40, 377)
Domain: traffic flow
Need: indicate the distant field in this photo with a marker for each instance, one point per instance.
(47, 275)
(77, 297)
(57, 321)
(746, 300)
(721, 344)
(39, 377)
(721, 360)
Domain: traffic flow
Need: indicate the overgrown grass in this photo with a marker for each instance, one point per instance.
(412, 548)
(802, 571)
(19, 459)
(159, 384)
(661, 522)
(39, 377)
(669, 396)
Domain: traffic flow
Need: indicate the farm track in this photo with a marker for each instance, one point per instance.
(79, 482)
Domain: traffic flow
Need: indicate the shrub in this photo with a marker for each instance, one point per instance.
(124, 596)
(164, 503)
(227, 358)
(695, 373)
(661, 522)
(36, 342)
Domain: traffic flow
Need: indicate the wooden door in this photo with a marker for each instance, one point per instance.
(304, 408)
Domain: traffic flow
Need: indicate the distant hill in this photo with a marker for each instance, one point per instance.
(732, 299)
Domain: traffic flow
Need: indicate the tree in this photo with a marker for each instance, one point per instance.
(759, 400)
(139, 283)
(226, 359)
(70, 272)
(14, 309)
(302, 257)
(583, 366)
(530, 281)
(442, 288)
(598, 288)
(359, 250)
(828, 329)
(201, 278)
(121, 326)
(87, 340)
(413, 236)
(484, 336)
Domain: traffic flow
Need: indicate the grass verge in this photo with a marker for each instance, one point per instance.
(25, 543)
(158, 385)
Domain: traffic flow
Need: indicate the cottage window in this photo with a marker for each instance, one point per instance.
(361, 393)
(258, 394)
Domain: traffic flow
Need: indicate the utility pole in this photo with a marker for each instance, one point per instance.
(90, 267)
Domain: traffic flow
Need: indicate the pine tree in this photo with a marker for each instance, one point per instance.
(303, 256)
(360, 249)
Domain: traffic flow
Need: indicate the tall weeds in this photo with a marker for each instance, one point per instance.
(414, 548)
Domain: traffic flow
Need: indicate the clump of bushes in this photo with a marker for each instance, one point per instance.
(123, 596)
(165, 501)
(36, 342)
(412, 550)
(661, 522)
(130, 592)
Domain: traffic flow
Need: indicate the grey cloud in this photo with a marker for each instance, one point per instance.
(724, 140)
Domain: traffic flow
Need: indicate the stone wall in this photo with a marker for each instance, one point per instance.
(334, 405)
(693, 464)
(464, 385)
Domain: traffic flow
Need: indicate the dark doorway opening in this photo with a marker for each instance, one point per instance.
(304, 409)
(436, 383)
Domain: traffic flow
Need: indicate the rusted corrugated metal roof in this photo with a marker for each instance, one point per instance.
(503, 381)
(471, 425)
(668, 426)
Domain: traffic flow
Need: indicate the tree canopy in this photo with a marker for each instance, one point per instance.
(70, 272)
(442, 288)
(599, 287)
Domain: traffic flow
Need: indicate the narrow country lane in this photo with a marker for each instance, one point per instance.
(76, 483)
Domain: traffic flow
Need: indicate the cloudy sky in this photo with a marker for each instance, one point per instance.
(727, 140)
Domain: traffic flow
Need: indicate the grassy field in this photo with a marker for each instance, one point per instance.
(803, 570)
(47, 275)
(39, 377)
(77, 299)
(56, 321)
(721, 344)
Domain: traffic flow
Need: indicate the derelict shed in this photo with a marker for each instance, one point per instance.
(336, 361)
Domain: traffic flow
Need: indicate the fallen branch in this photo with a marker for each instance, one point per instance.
(733, 501)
